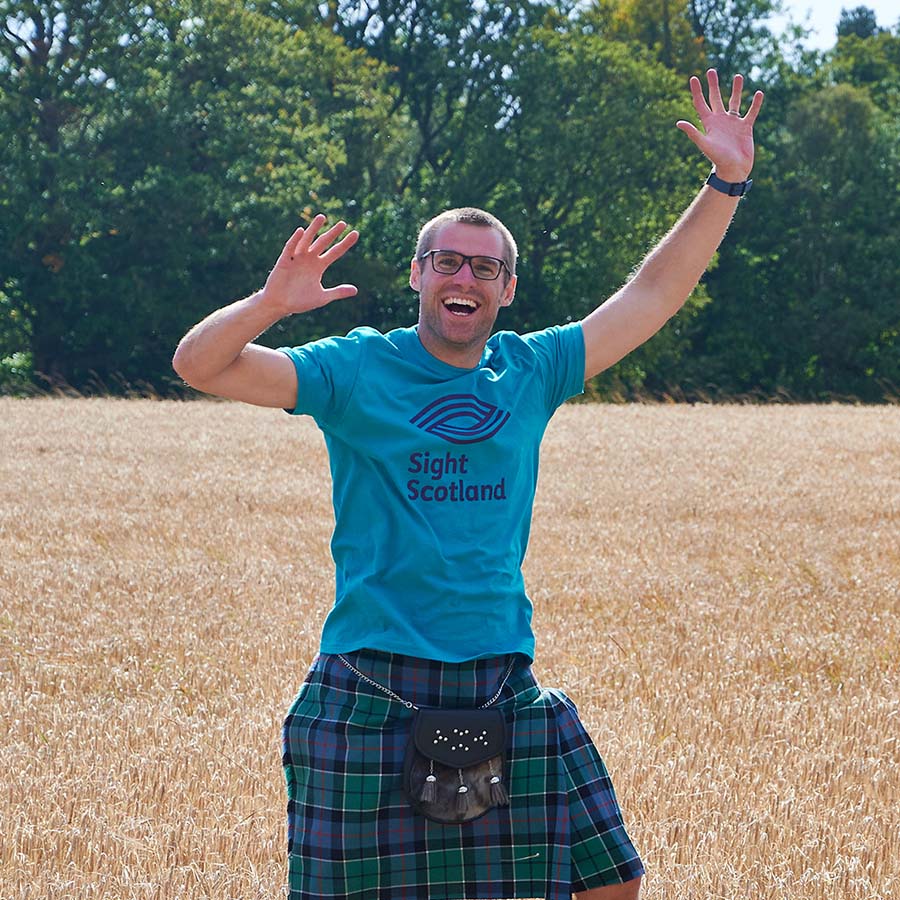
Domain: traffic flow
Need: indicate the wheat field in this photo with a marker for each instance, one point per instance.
(717, 588)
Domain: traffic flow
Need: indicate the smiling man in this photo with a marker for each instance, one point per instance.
(433, 434)
(464, 272)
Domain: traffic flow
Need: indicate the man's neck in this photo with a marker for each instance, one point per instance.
(465, 356)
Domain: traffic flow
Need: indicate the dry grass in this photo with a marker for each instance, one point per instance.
(718, 588)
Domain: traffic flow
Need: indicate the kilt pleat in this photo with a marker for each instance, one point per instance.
(352, 835)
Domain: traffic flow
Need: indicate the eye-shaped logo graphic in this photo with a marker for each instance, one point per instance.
(461, 419)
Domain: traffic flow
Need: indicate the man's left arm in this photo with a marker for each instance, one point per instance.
(670, 272)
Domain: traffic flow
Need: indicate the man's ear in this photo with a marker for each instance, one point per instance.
(414, 274)
(509, 291)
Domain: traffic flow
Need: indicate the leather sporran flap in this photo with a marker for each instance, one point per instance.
(455, 764)
(460, 737)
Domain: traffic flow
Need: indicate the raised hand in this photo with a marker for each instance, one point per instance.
(727, 137)
(295, 284)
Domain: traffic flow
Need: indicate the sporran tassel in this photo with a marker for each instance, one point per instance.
(462, 801)
(499, 796)
(429, 791)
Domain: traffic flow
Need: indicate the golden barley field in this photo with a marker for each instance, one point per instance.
(717, 587)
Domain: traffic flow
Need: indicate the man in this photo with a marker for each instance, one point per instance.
(433, 436)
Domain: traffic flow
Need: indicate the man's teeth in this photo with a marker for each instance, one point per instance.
(460, 301)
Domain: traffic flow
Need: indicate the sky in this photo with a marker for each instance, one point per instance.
(824, 15)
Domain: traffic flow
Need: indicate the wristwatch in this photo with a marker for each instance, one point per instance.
(732, 188)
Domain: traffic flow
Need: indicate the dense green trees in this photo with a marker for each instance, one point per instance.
(158, 152)
(156, 155)
(806, 288)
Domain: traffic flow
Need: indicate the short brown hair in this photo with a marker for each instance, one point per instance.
(469, 215)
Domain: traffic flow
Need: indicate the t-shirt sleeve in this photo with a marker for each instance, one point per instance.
(327, 370)
(560, 354)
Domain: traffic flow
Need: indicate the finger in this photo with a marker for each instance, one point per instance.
(341, 292)
(715, 95)
(695, 135)
(309, 233)
(287, 251)
(340, 248)
(319, 245)
(734, 102)
(698, 98)
(755, 106)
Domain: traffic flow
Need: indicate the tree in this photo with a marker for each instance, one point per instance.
(872, 63)
(57, 61)
(691, 35)
(806, 297)
(860, 21)
(661, 26)
(734, 32)
(446, 59)
(160, 155)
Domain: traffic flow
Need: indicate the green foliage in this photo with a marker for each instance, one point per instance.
(859, 21)
(806, 293)
(447, 60)
(15, 366)
(168, 181)
(691, 35)
(734, 33)
(157, 155)
(872, 63)
(662, 27)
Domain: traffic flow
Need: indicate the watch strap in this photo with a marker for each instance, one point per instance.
(731, 188)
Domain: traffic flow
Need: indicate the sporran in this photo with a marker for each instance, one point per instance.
(455, 759)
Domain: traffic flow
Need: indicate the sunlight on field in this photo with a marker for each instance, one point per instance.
(717, 588)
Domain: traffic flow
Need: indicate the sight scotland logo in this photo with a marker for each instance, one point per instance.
(461, 419)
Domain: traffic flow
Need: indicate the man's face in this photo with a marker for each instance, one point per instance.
(457, 312)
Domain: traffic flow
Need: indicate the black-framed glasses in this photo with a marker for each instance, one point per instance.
(449, 262)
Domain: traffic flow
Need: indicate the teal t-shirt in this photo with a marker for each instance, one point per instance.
(434, 470)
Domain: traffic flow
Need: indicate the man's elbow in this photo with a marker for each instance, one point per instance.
(181, 363)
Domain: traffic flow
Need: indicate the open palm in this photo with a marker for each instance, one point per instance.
(295, 283)
(727, 137)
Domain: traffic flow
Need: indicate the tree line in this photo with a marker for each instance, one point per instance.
(157, 155)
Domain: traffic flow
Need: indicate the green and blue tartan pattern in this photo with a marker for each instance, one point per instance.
(352, 835)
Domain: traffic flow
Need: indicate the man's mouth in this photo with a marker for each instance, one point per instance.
(460, 306)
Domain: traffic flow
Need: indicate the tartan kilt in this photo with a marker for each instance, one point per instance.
(351, 833)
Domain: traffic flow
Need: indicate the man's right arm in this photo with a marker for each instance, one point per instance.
(217, 355)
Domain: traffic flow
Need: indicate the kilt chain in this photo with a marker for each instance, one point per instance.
(408, 703)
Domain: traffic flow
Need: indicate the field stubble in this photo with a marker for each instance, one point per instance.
(717, 588)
